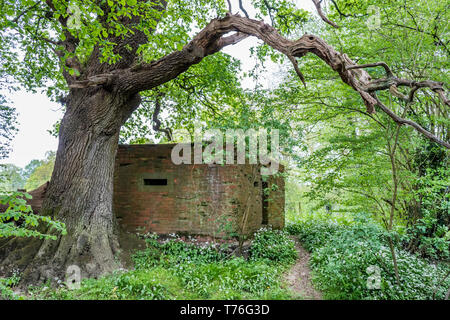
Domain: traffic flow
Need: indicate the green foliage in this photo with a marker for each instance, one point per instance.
(211, 274)
(11, 178)
(316, 229)
(7, 122)
(34, 29)
(131, 286)
(429, 238)
(154, 284)
(19, 220)
(273, 246)
(197, 93)
(344, 153)
(42, 172)
(342, 254)
(16, 216)
(341, 154)
(6, 285)
(35, 174)
(284, 15)
(173, 252)
(173, 269)
(231, 279)
(428, 234)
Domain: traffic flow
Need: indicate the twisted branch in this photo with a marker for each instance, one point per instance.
(156, 121)
(318, 4)
(212, 39)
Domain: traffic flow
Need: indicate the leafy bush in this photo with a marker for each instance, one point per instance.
(274, 246)
(428, 237)
(154, 284)
(175, 252)
(130, 285)
(173, 269)
(341, 256)
(231, 279)
(19, 220)
(6, 285)
(208, 273)
(313, 234)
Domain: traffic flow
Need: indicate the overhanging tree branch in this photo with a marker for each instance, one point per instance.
(391, 81)
(230, 8)
(213, 38)
(369, 65)
(318, 4)
(241, 6)
(416, 126)
(156, 122)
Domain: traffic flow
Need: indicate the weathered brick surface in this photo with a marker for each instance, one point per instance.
(276, 200)
(198, 199)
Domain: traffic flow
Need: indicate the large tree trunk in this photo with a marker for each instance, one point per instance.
(81, 188)
(104, 96)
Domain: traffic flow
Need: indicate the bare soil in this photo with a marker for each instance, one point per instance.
(298, 278)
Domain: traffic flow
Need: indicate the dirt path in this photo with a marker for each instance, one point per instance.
(299, 279)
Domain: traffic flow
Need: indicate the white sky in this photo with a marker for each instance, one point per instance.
(37, 114)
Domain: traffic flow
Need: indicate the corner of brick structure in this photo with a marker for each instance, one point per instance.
(152, 194)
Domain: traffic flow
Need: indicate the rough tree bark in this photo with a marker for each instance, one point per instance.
(81, 188)
(102, 99)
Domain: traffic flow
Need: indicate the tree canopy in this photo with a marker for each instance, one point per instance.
(362, 106)
(56, 40)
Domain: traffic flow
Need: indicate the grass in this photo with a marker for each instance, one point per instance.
(177, 270)
(348, 255)
(343, 249)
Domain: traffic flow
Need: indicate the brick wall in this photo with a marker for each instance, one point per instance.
(275, 200)
(196, 199)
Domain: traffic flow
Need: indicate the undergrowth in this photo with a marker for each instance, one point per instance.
(173, 269)
(351, 260)
(6, 285)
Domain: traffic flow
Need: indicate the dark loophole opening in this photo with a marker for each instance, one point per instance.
(124, 164)
(155, 182)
